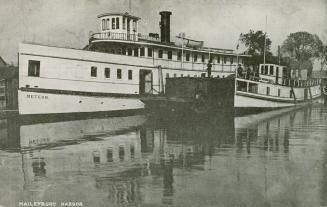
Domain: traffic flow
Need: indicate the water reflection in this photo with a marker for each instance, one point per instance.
(269, 159)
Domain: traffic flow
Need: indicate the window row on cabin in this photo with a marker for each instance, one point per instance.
(114, 23)
(34, 70)
(188, 57)
(265, 70)
(107, 73)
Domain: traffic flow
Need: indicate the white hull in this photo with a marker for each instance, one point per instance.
(246, 102)
(251, 102)
(48, 103)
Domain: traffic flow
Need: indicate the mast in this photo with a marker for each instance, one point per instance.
(278, 54)
(264, 48)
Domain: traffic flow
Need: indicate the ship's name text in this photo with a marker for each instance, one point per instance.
(37, 96)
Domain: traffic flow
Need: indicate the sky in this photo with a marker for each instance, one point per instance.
(67, 23)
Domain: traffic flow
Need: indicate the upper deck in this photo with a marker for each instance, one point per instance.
(122, 28)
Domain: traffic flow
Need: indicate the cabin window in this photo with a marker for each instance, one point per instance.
(142, 51)
(119, 75)
(278, 92)
(225, 60)
(124, 22)
(129, 51)
(170, 55)
(121, 153)
(149, 52)
(93, 71)
(108, 24)
(266, 69)
(34, 68)
(187, 56)
(130, 74)
(167, 75)
(291, 94)
(117, 23)
(160, 52)
(231, 60)
(267, 91)
(107, 72)
(103, 24)
(188, 75)
(132, 150)
(110, 155)
(218, 59)
(202, 58)
(262, 69)
(271, 70)
(179, 56)
(195, 57)
(113, 23)
(175, 75)
(136, 52)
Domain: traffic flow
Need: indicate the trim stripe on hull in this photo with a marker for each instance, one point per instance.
(79, 93)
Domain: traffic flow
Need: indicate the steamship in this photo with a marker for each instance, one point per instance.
(116, 68)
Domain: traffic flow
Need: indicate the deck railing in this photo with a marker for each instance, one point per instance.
(148, 38)
(285, 81)
(113, 36)
(122, 36)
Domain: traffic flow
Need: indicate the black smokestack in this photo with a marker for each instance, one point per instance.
(165, 26)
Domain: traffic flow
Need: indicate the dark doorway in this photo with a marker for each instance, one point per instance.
(305, 94)
(145, 82)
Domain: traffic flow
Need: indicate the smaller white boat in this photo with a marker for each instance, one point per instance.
(273, 87)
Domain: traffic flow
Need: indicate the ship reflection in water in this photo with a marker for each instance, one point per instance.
(276, 158)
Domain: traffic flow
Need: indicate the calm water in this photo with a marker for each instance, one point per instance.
(277, 158)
